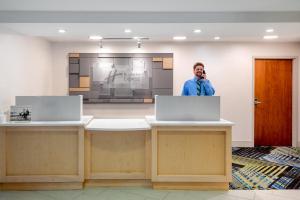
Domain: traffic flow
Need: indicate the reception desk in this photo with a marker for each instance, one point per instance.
(191, 154)
(116, 152)
(42, 155)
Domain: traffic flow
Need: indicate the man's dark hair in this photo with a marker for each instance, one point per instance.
(198, 64)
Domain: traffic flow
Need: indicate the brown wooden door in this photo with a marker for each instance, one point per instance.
(273, 107)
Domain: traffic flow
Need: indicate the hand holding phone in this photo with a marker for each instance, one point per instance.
(203, 75)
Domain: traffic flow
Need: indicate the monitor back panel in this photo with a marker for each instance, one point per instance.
(53, 108)
(187, 108)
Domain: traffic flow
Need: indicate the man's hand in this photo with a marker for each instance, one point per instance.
(204, 76)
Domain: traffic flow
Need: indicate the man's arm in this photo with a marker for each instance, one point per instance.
(209, 89)
(184, 90)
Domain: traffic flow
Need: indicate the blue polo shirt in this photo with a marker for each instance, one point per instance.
(190, 88)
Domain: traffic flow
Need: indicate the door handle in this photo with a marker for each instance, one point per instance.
(256, 101)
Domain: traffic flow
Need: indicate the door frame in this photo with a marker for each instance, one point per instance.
(295, 93)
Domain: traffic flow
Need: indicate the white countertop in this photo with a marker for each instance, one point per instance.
(153, 122)
(118, 125)
(83, 122)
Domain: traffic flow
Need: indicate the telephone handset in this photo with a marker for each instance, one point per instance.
(203, 73)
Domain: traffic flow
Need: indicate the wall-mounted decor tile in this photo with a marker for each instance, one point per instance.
(85, 94)
(121, 61)
(162, 78)
(74, 60)
(74, 55)
(85, 66)
(79, 89)
(158, 65)
(157, 59)
(73, 81)
(105, 60)
(84, 82)
(142, 93)
(73, 68)
(167, 63)
(162, 91)
(148, 100)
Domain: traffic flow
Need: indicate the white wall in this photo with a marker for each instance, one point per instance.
(229, 67)
(33, 66)
(25, 67)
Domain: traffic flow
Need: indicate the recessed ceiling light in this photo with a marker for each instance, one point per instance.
(127, 31)
(197, 31)
(270, 30)
(95, 37)
(217, 38)
(61, 30)
(270, 37)
(179, 37)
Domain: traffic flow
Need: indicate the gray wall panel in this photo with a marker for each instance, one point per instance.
(85, 66)
(162, 92)
(74, 60)
(74, 68)
(121, 61)
(157, 65)
(73, 81)
(85, 95)
(162, 78)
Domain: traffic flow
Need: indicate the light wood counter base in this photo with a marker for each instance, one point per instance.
(185, 157)
(118, 183)
(117, 155)
(112, 152)
(189, 186)
(41, 186)
(42, 157)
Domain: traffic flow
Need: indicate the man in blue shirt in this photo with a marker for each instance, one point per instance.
(199, 85)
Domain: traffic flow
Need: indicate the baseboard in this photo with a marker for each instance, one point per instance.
(242, 144)
(41, 186)
(191, 186)
(118, 183)
(250, 144)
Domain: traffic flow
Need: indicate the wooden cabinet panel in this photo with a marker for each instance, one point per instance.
(191, 153)
(41, 152)
(117, 155)
(191, 157)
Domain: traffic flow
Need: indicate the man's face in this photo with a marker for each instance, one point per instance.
(198, 71)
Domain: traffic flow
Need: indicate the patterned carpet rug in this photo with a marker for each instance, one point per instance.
(261, 168)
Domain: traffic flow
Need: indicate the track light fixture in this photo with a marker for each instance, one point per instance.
(101, 44)
(139, 44)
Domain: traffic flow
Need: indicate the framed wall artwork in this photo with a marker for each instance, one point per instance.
(120, 77)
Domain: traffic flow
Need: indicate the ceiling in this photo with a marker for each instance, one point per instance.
(150, 5)
(252, 32)
(232, 20)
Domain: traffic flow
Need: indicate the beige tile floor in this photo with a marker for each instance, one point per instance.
(140, 193)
